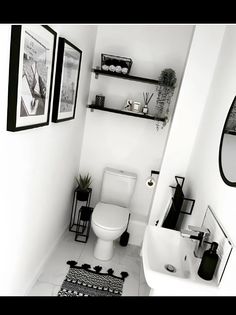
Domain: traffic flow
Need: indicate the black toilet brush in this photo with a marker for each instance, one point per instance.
(125, 236)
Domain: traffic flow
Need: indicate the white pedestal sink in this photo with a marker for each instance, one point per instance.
(170, 267)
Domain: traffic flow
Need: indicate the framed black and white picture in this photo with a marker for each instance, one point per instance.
(32, 56)
(66, 81)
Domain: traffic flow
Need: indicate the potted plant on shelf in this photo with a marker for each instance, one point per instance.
(84, 183)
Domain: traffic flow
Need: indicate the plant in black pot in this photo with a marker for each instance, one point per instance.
(83, 187)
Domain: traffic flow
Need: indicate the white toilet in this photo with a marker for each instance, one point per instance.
(110, 215)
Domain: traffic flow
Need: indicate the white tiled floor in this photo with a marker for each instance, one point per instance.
(125, 259)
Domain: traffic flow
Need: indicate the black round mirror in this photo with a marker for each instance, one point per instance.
(227, 152)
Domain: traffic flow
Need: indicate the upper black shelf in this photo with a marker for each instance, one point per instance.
(124, 76)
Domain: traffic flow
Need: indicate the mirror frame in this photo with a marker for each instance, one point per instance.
(229, 183)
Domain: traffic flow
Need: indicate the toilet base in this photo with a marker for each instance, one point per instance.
(103, 249)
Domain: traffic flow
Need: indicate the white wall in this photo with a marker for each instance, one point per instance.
(126, 142)
(37, 170)
(192, 98)
(203, 172)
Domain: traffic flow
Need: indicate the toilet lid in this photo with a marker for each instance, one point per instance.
(110, 217)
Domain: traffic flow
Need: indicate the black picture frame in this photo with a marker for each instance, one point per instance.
(66, 81)
(32, 55)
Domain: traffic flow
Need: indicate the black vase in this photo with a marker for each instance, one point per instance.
(85, 213)
(82, 195)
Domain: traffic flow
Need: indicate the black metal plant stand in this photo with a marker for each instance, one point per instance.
(80, 219)
(83, 224)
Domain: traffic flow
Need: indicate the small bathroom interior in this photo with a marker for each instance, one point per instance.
(148, 153)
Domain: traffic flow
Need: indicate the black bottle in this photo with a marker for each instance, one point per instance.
(208, 263)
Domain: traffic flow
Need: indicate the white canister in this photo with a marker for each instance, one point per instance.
(136, 106)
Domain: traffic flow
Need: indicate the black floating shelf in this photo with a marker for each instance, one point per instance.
(125, 76)
(124, 112)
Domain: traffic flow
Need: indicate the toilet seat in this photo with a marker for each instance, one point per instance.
(109, 216)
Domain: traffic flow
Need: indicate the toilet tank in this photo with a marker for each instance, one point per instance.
(117, 187)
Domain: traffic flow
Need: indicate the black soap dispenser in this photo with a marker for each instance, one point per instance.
(209, 261)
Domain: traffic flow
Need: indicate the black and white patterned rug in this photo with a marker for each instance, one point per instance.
(83, 281)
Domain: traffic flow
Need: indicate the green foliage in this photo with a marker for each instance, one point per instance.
(84, 181)
(168, 78)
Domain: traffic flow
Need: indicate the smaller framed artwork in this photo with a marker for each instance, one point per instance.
(66, 81)
(32, 55)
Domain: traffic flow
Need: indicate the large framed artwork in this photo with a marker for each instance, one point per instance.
(32, 56)
(66, 81)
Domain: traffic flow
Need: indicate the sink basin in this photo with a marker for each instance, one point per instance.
(170, 267)
(164, 252)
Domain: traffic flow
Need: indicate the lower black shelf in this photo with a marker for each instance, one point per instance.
(124, 112)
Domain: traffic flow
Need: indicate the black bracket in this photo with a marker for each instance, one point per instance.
(155, 172)
(176, 178)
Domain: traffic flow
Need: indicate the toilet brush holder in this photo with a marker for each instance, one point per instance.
(124, 239)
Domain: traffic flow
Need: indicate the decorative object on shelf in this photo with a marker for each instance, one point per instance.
(66, 81)
(84, 183)
(133, 106)
(32, 55)
(128, 105)
(165, 91)
(85, 281)
(136, 107)
(116, 64)
(100, 100)
(147, 99)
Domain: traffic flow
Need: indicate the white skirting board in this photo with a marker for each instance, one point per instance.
(43, 262)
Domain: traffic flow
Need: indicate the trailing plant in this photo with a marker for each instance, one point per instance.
(168, 78)
(165, 90)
